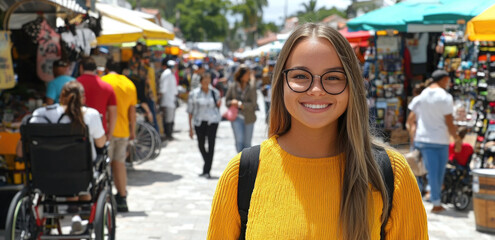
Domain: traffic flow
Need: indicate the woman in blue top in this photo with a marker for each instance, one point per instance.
(204, 115)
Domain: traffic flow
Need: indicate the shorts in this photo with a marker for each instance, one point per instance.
(117, 150)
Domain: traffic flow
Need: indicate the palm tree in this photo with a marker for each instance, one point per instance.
(251, 12)
(309, 7)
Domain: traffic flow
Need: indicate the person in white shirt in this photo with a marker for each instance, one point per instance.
(431, 116)
(168, 95)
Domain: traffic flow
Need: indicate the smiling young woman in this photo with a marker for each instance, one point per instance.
(317, 176)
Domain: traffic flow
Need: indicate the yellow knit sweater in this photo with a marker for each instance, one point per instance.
(299, 198)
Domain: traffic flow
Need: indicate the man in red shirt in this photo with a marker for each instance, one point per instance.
(99, 94)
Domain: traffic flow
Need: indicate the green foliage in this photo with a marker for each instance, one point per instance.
(319, 14)
(250, 10)
(166, 7)
(309, 7)
(270, 26)
(203, 20)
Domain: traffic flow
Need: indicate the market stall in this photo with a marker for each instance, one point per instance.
(28, 49)
(134, 18)
(29, 43)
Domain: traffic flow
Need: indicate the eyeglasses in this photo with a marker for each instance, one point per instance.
(300, 80)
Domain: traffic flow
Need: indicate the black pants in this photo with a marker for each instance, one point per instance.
(203, 131)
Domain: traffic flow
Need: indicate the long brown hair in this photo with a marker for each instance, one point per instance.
(72, 96)
(243, 69)
(355, 139)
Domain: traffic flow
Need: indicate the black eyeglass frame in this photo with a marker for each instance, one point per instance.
(285, 71)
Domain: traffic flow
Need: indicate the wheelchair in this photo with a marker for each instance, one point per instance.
(59, 165)
(147, 145)
(457, 185)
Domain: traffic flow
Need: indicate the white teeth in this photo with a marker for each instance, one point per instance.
(316, 106)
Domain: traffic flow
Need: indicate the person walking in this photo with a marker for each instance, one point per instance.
(242, 95)
(125, 129)
(168, 97)
(431, 117)
(54, 87)
(317, 176)
(203, 108)
(99, 94)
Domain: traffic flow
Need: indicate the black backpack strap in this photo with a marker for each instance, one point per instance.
(248, 168)
(381, 157)
(61, 116)
(214, 98)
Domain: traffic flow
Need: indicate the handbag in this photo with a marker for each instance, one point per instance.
(231, 113)
(416, 162)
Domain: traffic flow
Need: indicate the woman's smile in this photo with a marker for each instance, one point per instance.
(316, 107)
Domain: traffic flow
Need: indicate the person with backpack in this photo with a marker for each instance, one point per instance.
(204, 116)
(321, 174)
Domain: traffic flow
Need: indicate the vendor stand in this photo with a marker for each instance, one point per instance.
(387, 95)
(29, 43)
(479, 31)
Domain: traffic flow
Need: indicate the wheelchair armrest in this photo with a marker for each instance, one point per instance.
(103, 150)
(101, 156)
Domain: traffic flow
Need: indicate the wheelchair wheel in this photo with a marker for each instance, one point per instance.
(21, 222)
(461, 199)
(105, 217)
(144, 143)
(158, 143)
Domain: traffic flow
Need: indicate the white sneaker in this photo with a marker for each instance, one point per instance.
(78, 225)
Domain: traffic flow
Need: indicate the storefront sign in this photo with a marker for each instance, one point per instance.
(7, 79)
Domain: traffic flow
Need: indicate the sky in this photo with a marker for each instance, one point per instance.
(275, 10)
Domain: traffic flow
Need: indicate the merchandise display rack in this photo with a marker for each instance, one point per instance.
(484, 106)
(387, 96)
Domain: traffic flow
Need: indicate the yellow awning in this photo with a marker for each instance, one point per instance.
(150, 29)
(193, 55)
(481, 27)
(116, 32)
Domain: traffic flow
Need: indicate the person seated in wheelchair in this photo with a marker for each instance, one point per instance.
(460, 153)
(71, 110)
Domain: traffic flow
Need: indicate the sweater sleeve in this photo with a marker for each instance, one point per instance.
(225, 222)
(408, 216)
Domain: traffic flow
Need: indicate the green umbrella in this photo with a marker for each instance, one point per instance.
(393, 17)
(452, 10)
